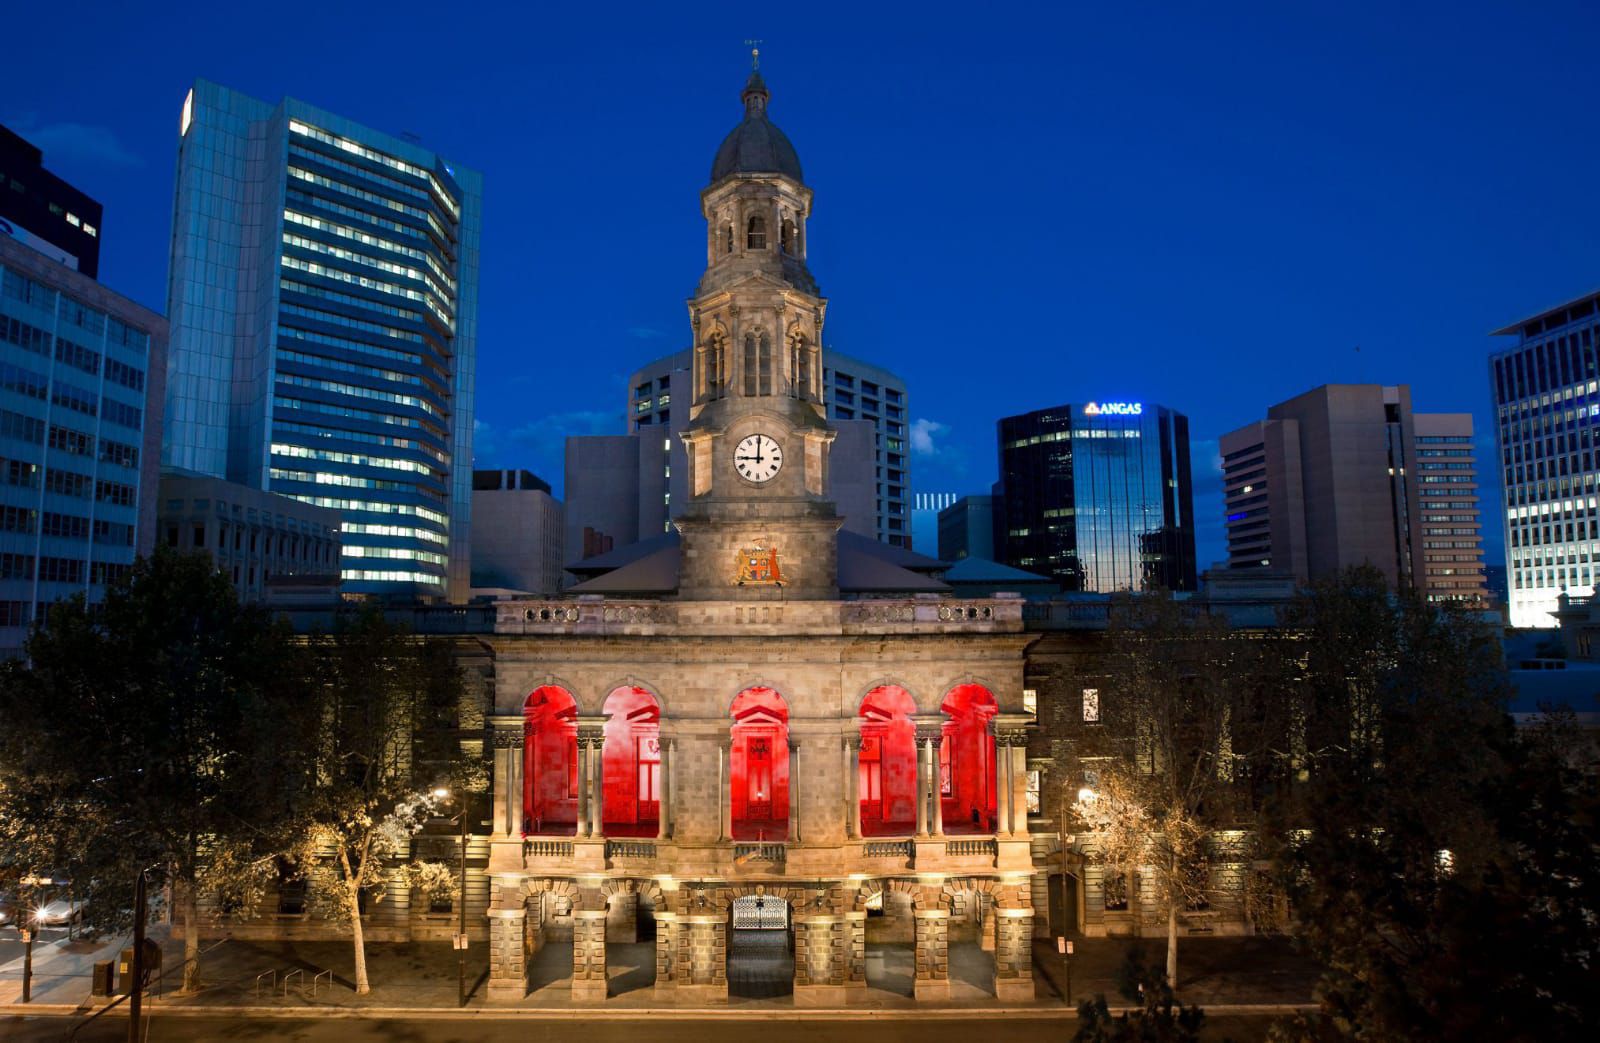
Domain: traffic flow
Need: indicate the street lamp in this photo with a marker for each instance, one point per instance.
(441, 793)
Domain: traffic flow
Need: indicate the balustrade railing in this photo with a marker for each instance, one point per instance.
(630, 849)
(986, 847)
(888, 849)
(546, 849)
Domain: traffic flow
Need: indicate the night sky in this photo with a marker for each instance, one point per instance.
(1213, 207)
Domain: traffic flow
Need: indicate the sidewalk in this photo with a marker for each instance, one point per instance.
(418, 978)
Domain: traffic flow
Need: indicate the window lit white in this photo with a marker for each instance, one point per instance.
(1030, 700)
(1091, 705)
(188, 113)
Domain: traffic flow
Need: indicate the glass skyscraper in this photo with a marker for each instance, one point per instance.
(323, 299)
(1097, 496)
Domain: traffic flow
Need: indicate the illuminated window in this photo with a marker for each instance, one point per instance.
(1033, 801)
(73, 220)
(1091, 705)
(1030, 700)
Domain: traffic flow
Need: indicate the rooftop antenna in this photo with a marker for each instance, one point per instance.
(755, 54)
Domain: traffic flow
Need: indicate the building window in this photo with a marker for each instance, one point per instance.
(1091, 706)
(1034, 803)
(756, 233)
(199, 535)
(1115, 891)
(1030, 700)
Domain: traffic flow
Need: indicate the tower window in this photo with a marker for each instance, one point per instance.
(727, 240)
(786, 236)
(756, 233)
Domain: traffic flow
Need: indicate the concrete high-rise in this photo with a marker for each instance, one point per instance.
(323, 299)
(1547, 395)
(1098, 496)
(852, 391)
(1347, 474)
(517, 533)
(81, 380)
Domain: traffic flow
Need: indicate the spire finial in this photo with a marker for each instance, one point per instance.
(755, 54)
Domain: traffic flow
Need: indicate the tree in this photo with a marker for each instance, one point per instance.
(1183, 726)
(1158, 1018)
(381, 741)
(1442, 868)
(144, 734)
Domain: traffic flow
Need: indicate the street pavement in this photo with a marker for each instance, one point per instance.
(480, 1029)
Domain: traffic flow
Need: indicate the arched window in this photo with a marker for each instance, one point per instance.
(715, 377)
(550, 762)
(786, 240)
(727, 239)
(967, 761)
(631, 763)
(887, 781)
(800, 365)
(756, 233)
(759, 768)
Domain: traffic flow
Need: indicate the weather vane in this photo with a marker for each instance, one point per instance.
(755, 53)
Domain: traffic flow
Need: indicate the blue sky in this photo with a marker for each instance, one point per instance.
(1213, 206)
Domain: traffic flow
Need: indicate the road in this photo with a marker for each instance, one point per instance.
(893, 1029)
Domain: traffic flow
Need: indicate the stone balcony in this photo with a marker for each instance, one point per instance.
(919, 614)
(875, 856)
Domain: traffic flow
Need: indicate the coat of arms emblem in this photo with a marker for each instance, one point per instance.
(759, 564)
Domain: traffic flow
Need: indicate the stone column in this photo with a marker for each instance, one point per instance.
(1013, 954)
(502, 786)
(725, 788)
(852, 785)
(1013, 808)
(664, 814)
(508, 955)
(1002, 778)
(794, 792)
(589, 954)
(597, 803)
(514, 810)
(932, 952)
(922, 787)
(583, 788)
(935, 790)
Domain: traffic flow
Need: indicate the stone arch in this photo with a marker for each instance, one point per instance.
(631, 681)
(922, 896)
(888, 681)
(548, 681)
(556, 887)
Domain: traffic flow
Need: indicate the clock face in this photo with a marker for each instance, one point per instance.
(758, 457)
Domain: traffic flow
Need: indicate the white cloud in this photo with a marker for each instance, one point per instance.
(923, 432)
(77, 141)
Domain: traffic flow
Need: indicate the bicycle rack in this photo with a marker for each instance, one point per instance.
(319, 976)
(272, 986)
(296, 973)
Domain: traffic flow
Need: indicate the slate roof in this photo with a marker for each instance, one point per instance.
(756, 146)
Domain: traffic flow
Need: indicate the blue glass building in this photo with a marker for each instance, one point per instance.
(322, 299)
(1098, 496)
(81, 372)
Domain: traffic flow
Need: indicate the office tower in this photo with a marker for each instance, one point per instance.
(852, 391)
(925, 508)
(40, 210)
(255, 537)
(1546, 399)
(1347, 474)
(1097, 496)
(517, 536)
(966, 529)
(323, 298)
(80, 403)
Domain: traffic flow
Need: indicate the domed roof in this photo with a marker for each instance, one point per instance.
(756, 146)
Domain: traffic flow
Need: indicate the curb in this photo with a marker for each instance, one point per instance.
(628, 1014)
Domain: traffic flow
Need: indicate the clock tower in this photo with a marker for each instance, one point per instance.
(758, 524)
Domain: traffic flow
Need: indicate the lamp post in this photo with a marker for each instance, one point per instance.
(461, 901)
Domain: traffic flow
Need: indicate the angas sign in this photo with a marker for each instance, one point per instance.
(1114, 409)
